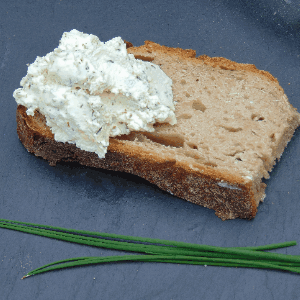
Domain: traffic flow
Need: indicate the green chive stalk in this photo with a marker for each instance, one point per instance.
(157, 250)
(178, 259)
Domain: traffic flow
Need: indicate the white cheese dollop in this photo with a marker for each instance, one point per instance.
(89, 91)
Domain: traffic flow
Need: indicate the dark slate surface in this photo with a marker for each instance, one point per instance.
(264, 33)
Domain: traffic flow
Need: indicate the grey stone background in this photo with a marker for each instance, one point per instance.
(264, 33)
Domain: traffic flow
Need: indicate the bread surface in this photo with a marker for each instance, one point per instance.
(234, 122)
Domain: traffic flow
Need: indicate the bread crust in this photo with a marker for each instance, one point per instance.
(197, 184)
(199, 187)
(221, 62)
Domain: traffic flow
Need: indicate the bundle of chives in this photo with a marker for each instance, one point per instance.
(158, 250)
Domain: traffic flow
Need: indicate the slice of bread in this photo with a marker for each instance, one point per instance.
(234, 122)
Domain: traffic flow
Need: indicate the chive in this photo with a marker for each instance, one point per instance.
(269, 247)
(116, 245)
(160, 250)
(91, 241)
(81, 261)
(151, 240)
(157, 241)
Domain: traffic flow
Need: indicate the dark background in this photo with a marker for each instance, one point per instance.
(264, 33)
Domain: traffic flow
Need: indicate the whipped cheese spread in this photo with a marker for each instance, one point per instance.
(89, 91)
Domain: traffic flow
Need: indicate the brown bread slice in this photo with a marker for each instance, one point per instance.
(234, 122)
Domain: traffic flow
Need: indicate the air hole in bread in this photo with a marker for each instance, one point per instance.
(256, 117)
(198, 105)
(272, 136)
(140, 138)
(237, 158)
(192, 145)
(184, 116)
(133, 136)
(211, 164)
(187, 95)
(231, 129)
(193, 155)
(159, 125)
(36, 137)
(234, 153)
(173, 140)
(227, 68)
